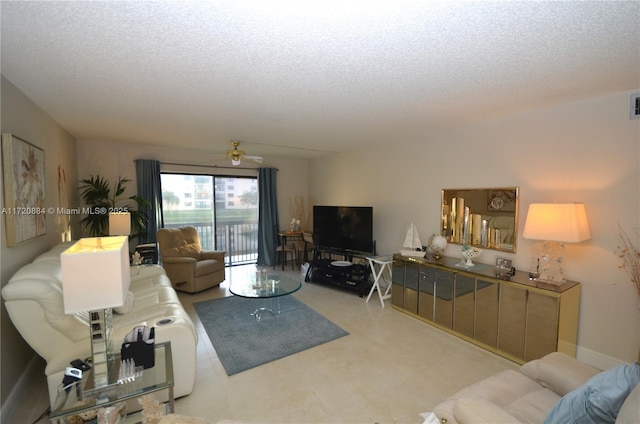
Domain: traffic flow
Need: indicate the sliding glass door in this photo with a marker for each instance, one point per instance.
(224, 210)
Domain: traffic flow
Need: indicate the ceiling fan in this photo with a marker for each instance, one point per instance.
(237, 155)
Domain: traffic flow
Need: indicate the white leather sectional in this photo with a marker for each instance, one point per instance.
(33, 298)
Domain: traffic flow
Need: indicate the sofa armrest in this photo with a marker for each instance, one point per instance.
(559, 372)
(213, 254)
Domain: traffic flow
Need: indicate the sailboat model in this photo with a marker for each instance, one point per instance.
(412, 243)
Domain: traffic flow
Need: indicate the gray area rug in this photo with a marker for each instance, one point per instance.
(243, 343)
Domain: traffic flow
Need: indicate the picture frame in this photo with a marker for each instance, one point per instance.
(24, 190)
(504, 263)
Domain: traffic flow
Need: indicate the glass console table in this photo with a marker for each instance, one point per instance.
(82, 397)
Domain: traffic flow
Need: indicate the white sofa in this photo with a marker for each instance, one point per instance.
(574, 390)
(33, 298)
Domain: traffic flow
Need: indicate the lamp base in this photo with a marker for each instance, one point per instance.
(551, 263)
(100, 328)
(549, 282)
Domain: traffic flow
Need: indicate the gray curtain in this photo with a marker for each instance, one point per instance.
(148, 176)
(267, 215)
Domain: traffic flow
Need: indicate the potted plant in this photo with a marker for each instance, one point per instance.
(97, 194)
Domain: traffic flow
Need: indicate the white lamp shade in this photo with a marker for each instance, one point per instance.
(119, 223)
(560, 222)
(95, 274)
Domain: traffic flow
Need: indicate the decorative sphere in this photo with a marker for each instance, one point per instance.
(438, 243)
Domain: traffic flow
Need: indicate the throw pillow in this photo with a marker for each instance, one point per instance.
(599, 400)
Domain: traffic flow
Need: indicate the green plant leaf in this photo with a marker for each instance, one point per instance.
(96, 193)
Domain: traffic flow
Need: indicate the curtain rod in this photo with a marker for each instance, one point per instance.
(207, 166)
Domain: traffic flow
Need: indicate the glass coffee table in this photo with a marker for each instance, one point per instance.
(268, 288)
(83, 398)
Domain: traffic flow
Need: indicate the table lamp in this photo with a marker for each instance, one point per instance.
(119, 223)
(555, 224)
(95, 278)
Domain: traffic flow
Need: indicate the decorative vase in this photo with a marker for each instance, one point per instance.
(467, 253)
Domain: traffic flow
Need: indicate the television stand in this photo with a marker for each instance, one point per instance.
(346, 269)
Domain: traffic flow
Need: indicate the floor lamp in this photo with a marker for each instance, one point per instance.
(95, 278)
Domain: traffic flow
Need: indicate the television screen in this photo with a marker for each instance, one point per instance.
(344, 227)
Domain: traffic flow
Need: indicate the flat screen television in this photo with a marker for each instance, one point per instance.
(344, 227)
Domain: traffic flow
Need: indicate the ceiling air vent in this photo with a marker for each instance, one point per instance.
(635, 106)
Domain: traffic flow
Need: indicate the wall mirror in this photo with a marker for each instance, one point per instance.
(482, 217)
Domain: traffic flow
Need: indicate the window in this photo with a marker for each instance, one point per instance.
(224, 211)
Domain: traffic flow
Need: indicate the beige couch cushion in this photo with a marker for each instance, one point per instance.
(534, 406)
(476, 410)
(502, 388)
(559, 372)
(630, 411)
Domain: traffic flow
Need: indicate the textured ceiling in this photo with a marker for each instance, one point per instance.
(312, 77)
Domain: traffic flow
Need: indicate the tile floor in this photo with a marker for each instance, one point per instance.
(390, 368)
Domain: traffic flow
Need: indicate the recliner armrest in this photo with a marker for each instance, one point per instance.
(213, 254)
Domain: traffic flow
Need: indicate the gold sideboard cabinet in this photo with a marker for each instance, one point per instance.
(513, 316)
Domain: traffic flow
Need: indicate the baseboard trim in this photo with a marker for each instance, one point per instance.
(31, 372)
(597, 359)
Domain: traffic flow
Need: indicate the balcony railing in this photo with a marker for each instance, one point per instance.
(238, 239)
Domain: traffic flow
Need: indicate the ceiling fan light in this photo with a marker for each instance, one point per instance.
(235, 161)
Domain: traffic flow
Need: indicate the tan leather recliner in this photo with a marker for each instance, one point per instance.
(189, 268)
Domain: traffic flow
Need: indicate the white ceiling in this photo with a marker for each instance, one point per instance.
(313, 77)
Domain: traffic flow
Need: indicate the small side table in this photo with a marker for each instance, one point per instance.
(158, 377)
(383, 262)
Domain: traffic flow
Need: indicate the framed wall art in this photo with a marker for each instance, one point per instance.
(24, 191)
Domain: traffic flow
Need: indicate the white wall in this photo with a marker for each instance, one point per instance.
(111, 160)
(23, 118)
(580, 152)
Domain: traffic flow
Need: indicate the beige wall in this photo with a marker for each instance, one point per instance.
(21, 117)
(586, 151)
(112, 160)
